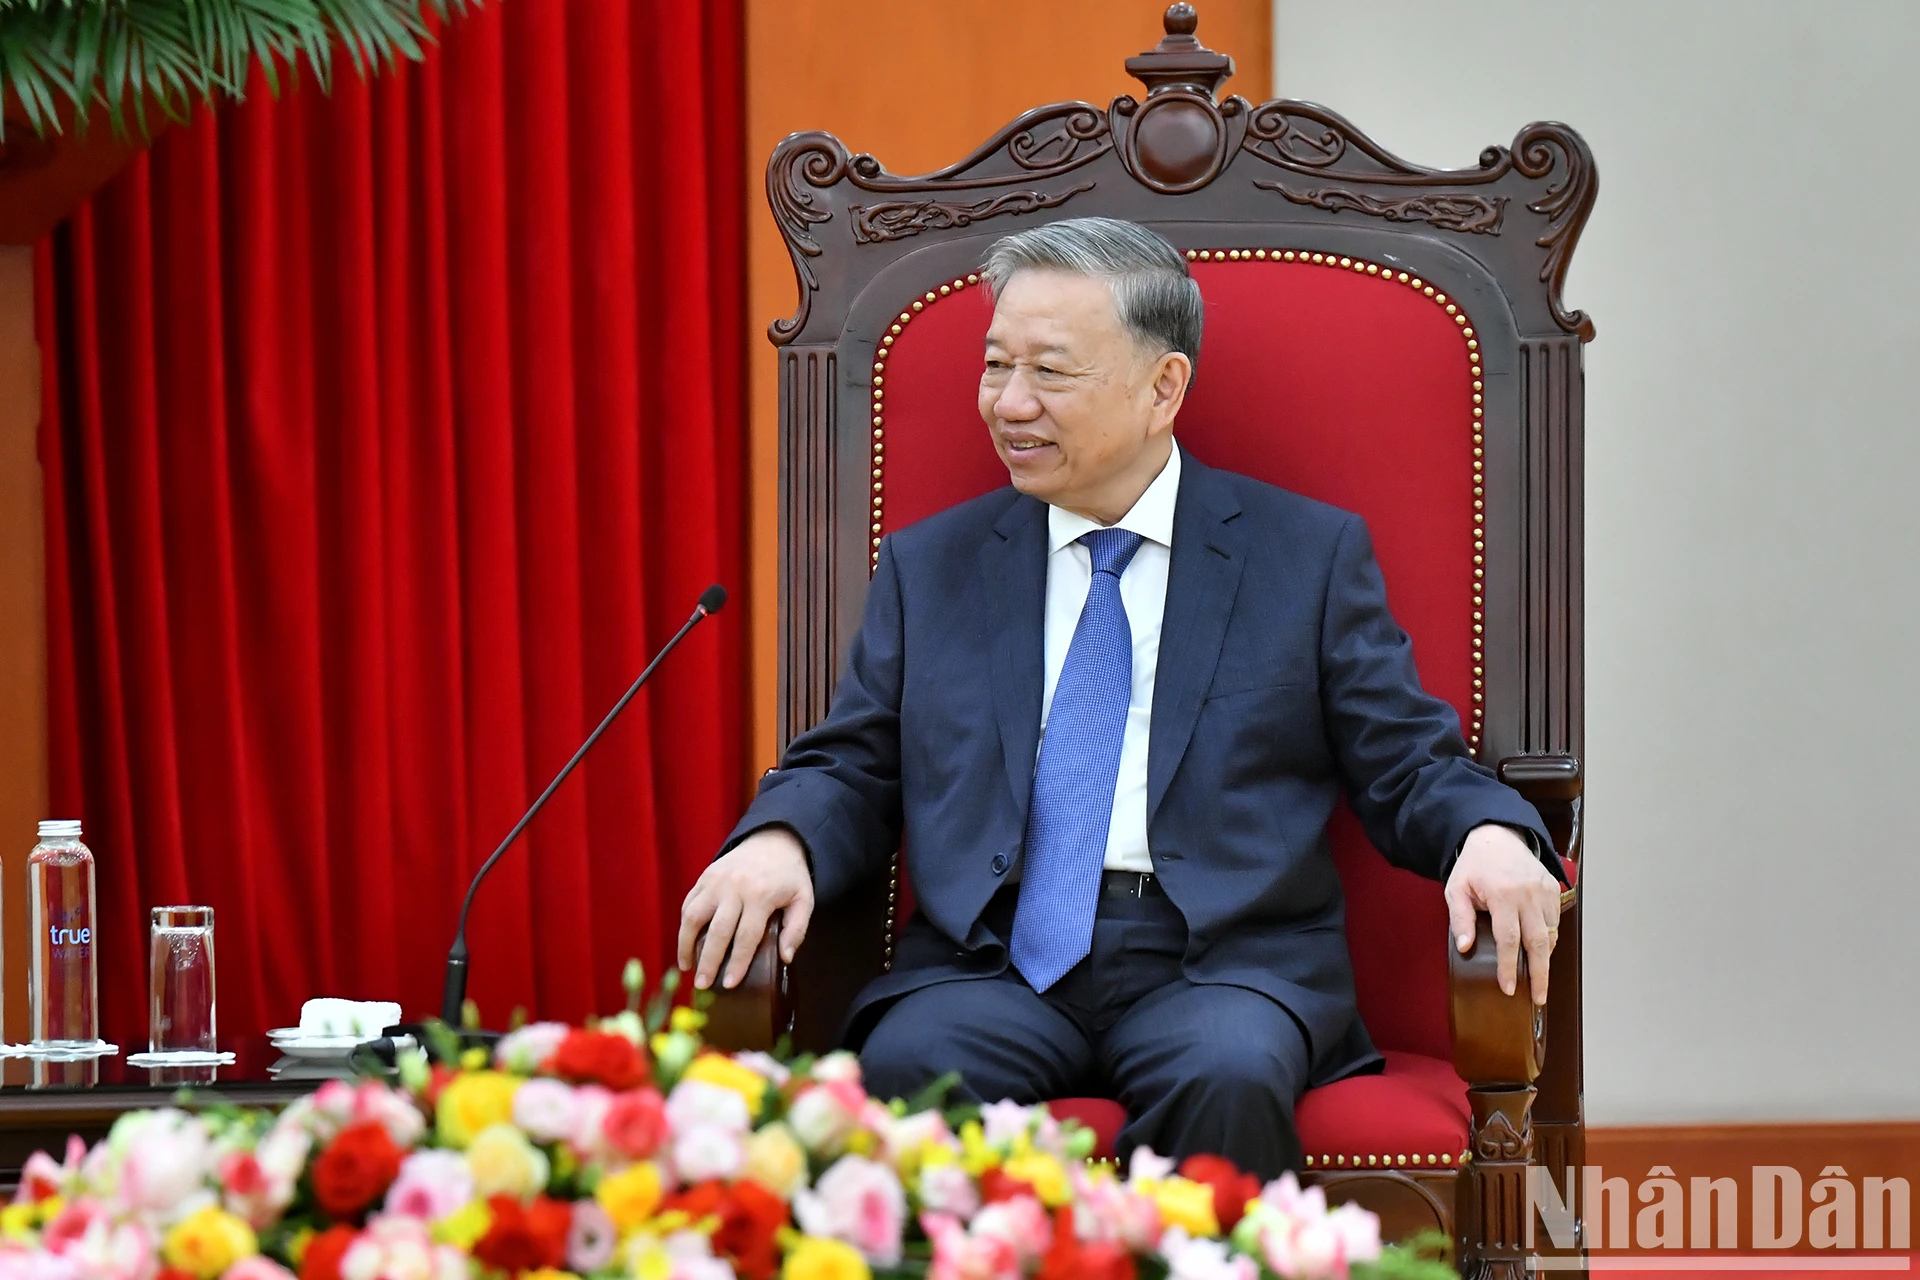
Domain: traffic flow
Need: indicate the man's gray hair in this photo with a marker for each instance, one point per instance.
(1155, 294)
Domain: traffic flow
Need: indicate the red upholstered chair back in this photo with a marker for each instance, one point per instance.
(1336, 379)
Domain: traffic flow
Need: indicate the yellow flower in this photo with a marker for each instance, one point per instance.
(471, 1102)
(777, 1161)
(687, 1019)
(630, 1196)
(297, 1246)
(717, 1068)
(207, 1242)
(548, 1273)
(16, 1222)
(464, 1226)
(860, 1142)
(1044, 1174)
(504, 1163)
(976, 1157)
(1185, 1203)
(49, 1209)
(816, 1259)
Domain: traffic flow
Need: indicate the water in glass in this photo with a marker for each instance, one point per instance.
(181, 1012)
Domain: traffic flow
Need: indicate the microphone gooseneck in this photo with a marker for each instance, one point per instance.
(454, 993)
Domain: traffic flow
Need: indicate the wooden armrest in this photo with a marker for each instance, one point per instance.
(750, 1016)
(1498, 1039)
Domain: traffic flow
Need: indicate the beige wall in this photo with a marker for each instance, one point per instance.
(1753, 603)
(919, 85)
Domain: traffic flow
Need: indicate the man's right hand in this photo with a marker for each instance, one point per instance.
(736, 896)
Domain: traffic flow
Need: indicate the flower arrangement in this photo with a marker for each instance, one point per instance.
(628, 1148)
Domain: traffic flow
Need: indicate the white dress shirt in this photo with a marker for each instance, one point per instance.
(1143, 590)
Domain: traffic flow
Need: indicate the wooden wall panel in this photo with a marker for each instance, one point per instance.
(919, 85)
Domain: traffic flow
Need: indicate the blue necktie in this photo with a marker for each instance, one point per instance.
(1073, 784)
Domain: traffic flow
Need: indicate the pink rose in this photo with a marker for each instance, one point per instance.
(636, 1122)
(36, 1264)
(1108, 1211)
(1021, 1222)
(167, 1160)
(249, 1191)
(960, 1256)
(545, 1109)
(431, 1185)
(946, 1189)
(859, 1201)
(392, 1110)
(591, 1102)
(1359, 1232)
(839, 1067)
(1002, 1122)
(400, 1248)
(591, 1239)
(42, 1176)
(1144, 1166)
(106, 1252)
(258, 1267)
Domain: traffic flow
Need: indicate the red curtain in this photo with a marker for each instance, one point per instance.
(387, 433)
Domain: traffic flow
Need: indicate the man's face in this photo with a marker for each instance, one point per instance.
(1081, 415)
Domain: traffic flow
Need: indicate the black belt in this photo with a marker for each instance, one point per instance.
(1130, 884)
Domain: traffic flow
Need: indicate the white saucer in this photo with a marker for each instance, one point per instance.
(179, 1058)
(296, 1044)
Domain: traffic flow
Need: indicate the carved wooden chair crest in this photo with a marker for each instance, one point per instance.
(1385, 337)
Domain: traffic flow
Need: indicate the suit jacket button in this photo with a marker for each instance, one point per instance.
(999, 864)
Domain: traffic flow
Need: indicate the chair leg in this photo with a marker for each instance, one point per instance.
(1493, 1191)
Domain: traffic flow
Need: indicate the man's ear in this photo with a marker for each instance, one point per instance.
(1172, 375)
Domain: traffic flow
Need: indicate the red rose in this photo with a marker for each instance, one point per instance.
(750, 1217)
(636, 1123)
(174, 1273)
(698, 1201)
(599, 1057)
(1071, 1258)
(355, 1170)
(321, 1261)
(524, 1237)
(1231, 1188)
(996, 1185)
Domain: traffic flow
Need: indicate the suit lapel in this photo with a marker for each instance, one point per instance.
(1012, 592)
(1202, 579)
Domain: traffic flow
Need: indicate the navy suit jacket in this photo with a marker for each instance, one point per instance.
(1283, 680)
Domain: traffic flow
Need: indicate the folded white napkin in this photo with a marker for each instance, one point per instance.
(331, 1017)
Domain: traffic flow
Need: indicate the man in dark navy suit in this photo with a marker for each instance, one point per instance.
(1109, 710)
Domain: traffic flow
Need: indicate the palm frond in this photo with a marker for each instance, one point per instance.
(123, 57)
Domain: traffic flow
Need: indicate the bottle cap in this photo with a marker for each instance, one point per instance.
(60, 829)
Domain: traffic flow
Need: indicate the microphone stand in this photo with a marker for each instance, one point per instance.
(454, 992)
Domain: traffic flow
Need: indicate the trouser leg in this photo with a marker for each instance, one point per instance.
(1005, 1041)
(1210, 1069)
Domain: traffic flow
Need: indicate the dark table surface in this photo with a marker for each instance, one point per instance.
(42, 1101)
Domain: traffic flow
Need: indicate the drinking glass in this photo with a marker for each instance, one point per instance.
(181, 1009)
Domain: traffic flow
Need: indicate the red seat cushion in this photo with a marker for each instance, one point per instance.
(1417, 1107)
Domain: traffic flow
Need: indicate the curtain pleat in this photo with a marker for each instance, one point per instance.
(387, 434)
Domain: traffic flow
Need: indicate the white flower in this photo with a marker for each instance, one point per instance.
(1191, 1259)
(946, 1188)
(1144, 1166)
(704, 1151)
(838, 1067)
(167, 1165)
(696, 1102)
(859, 1201)
(522, 1052)
(766, 1064)
(1004, 1122)
(822, 1121)
(546, 1109)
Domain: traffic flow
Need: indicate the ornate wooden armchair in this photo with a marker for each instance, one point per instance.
(1385, 337)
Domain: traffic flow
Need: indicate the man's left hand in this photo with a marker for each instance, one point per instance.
(1498, 873)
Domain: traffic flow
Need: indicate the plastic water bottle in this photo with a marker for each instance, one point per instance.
(65, 966)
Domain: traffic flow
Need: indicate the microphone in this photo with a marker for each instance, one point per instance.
(454, 994)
